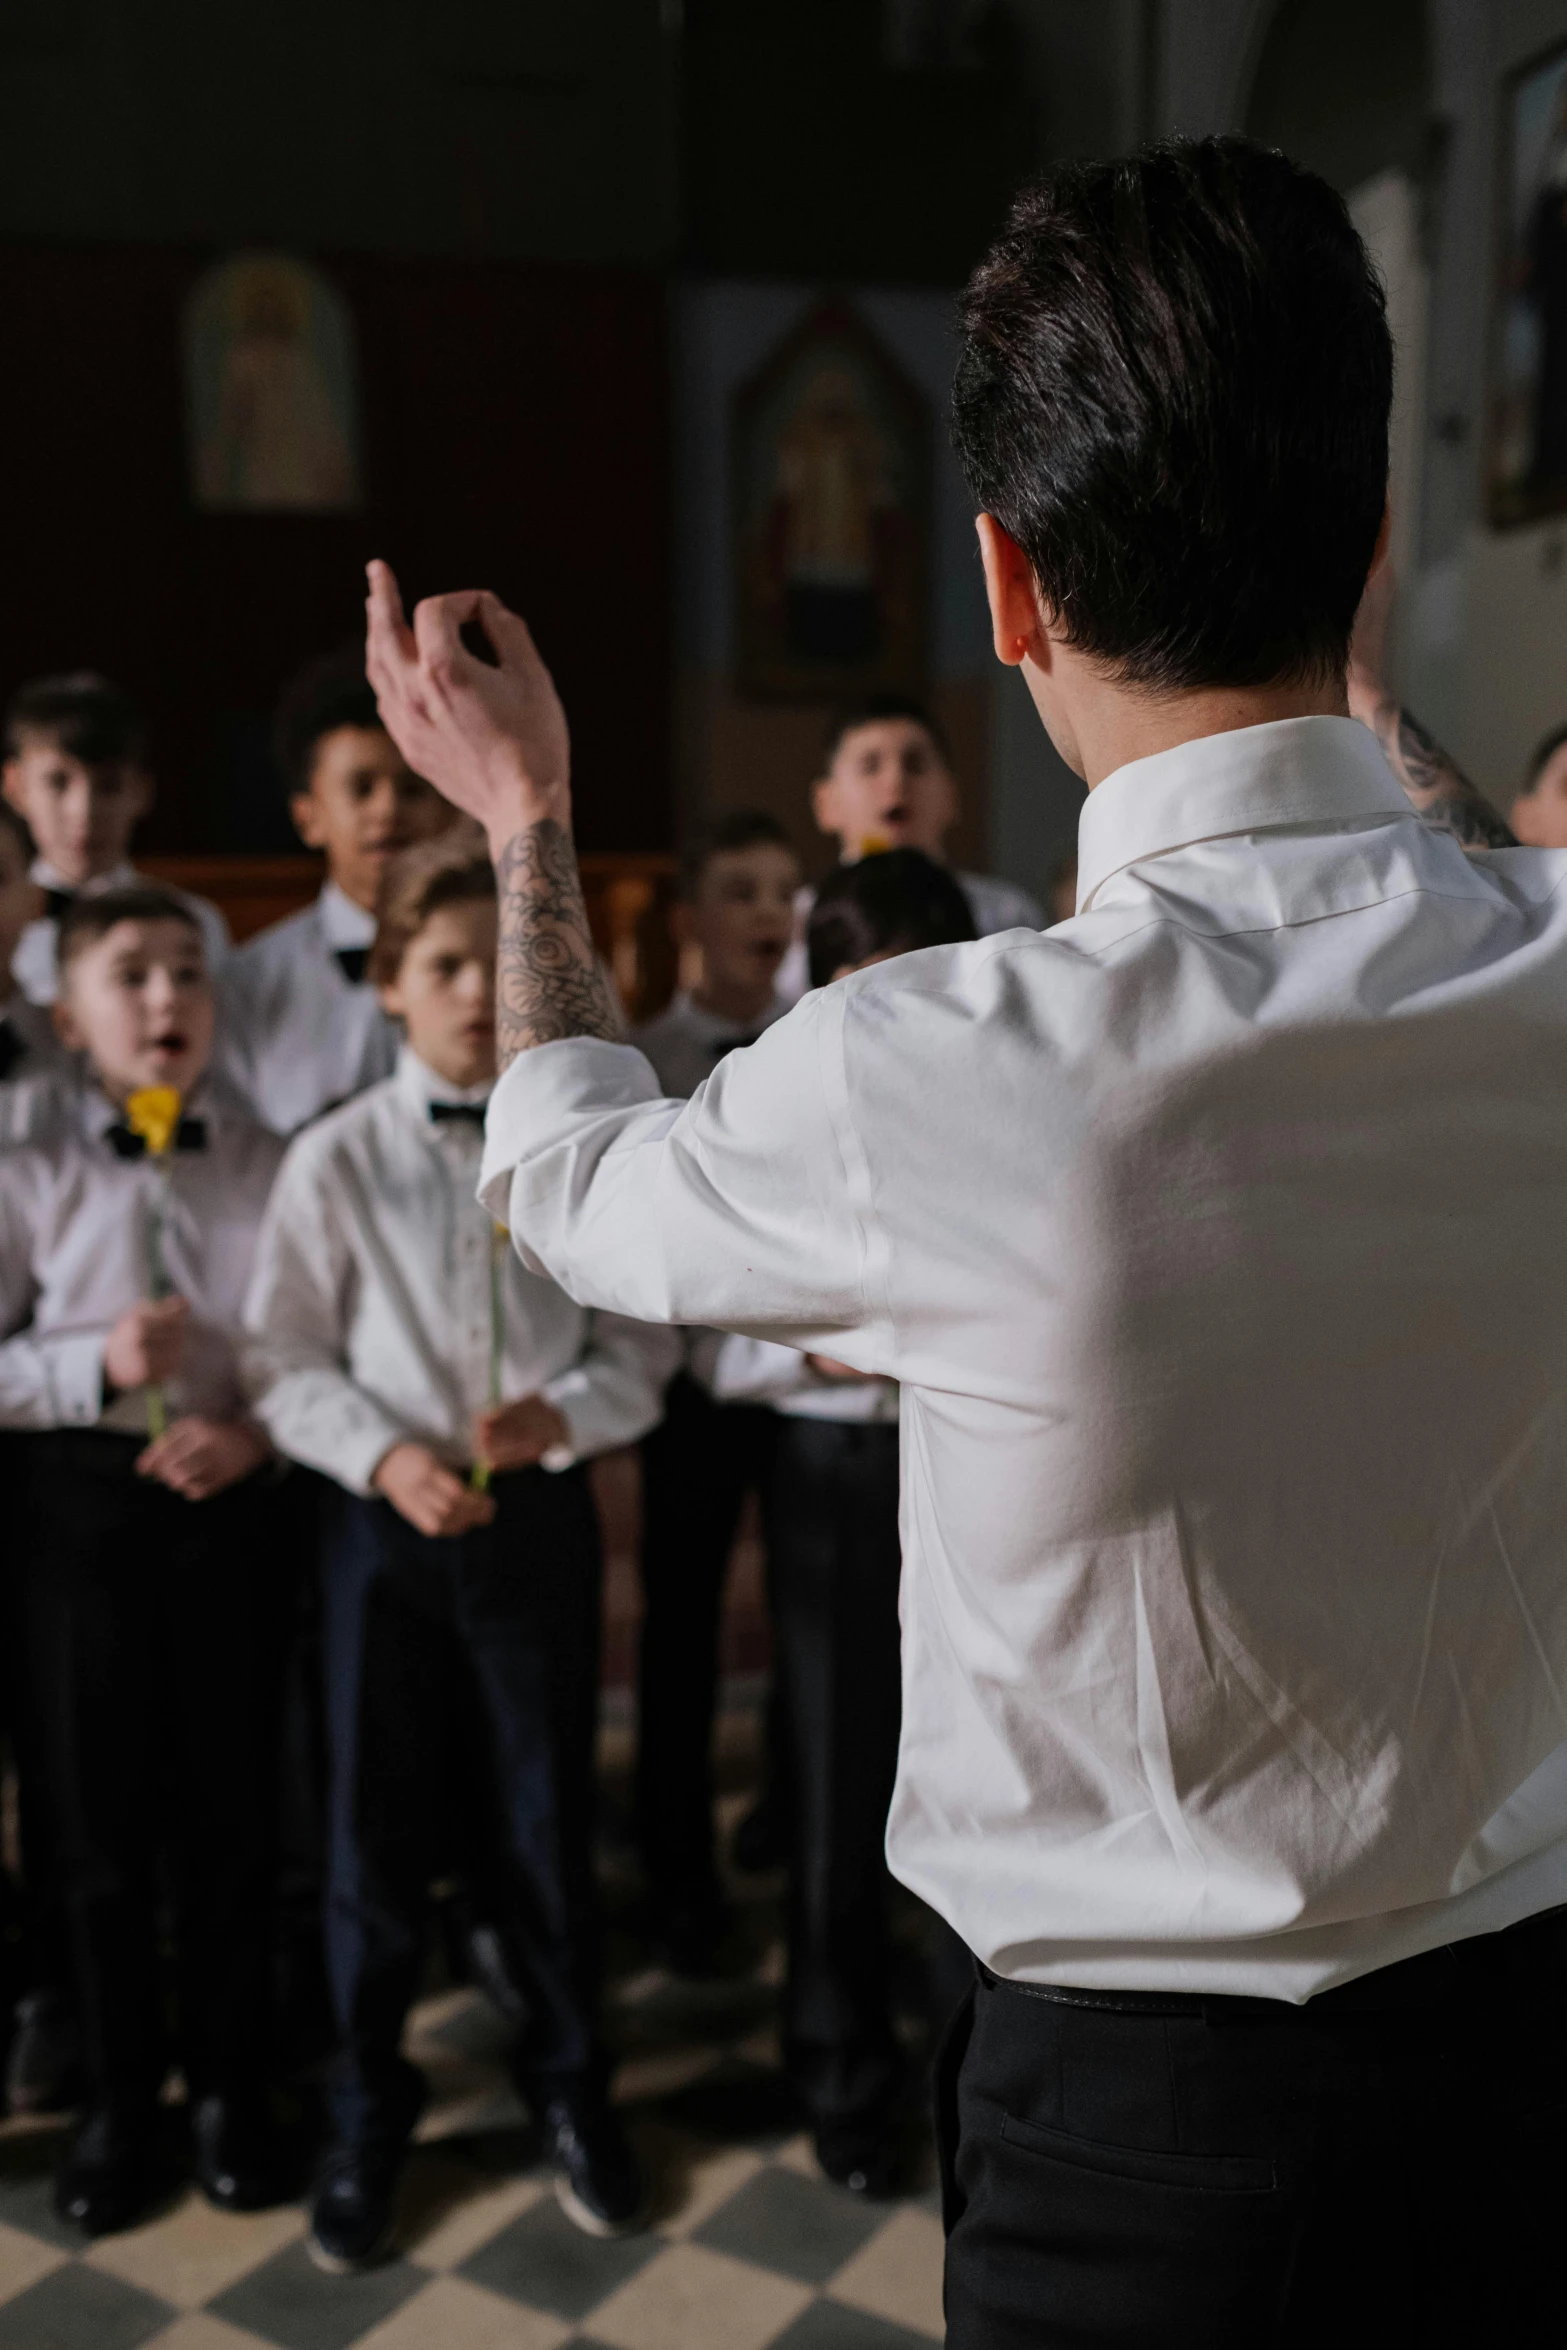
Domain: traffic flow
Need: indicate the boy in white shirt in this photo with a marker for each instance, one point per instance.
(887, 782)
(832, 1520)
(148, 1580)
(400, 1348)
(75, 769)
(739, 875)
(303, 1028)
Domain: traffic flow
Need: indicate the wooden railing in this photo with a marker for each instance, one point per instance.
(629, 902)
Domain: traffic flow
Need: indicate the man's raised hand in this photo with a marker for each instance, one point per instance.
(491, 738)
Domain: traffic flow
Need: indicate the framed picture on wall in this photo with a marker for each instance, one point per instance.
(1526, 454)
(830, 506)
(271, 390)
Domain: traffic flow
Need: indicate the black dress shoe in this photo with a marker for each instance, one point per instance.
(862, 2153)
(43, 2070)
(597, 2178)
(353, 2210)
(237, 2153)
(113, 2172)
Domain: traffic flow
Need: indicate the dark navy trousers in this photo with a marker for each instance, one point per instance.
(461, 1691)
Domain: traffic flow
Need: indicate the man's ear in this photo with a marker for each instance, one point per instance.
(11, 785)
(1016, 624)
(306, 813)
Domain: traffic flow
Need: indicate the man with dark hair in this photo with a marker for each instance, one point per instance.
(1214, 1237)
(74, 753)
(302, 1027)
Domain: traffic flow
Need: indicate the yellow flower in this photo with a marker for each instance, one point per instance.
(154, 1114)
(875, 844)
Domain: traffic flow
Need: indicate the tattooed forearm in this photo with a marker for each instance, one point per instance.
(1445, 797)
(549, 982)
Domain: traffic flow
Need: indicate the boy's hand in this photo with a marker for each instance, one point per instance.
(432, 1497)
(491, 737)
(197, 1458)
(515, 1435)
(147, 1344)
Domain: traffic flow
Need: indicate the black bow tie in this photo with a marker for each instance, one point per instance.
(11, 1049)
(351, 962)
(56, 902)
(719, 1045)
(441, 1113)
(189, 1135)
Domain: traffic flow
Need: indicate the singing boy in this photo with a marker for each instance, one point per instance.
(832, 1515)
(400, 1348)
(73, 764)
(303, 1026)
(738, 881)
(887, 782)
(147, 1580)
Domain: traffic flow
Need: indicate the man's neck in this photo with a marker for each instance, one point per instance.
(732, 1000)
(1099, 726)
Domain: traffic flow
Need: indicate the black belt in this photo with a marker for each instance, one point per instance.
(1427, 1980)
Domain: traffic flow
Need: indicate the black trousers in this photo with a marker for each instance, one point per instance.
(835, 1580)
(1383, 2169)
(697, 1467)
(153, 1640)
(462, 1673)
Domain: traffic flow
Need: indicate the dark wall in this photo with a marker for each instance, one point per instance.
(515, 436)
(810, 150)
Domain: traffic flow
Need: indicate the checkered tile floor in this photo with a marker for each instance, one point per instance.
(750, 2247)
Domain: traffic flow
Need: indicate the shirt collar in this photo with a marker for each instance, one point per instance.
(419, 1086)
(1253, 779)
(47, 876)
(343, 924)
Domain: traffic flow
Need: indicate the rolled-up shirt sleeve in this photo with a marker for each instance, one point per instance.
(746, 1208)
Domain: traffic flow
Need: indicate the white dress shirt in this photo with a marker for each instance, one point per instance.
(995, 905)
(370, 1310)
(74, 1256)
(685, 1043)
(1216, 1239)
(34, 964)
(296, 1034)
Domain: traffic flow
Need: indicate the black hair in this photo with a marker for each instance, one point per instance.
(894, 901)
(872, 710)
(724, 835)
(1541, 756)
(1172, 392)
(330, 693)
(87, 717)
(92, 914)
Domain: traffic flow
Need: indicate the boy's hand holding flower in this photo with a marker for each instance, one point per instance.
(197, 1458)
(147, 1344)
(516, 1435)
(432, 1497)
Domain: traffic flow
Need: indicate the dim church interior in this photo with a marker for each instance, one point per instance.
(568, 239)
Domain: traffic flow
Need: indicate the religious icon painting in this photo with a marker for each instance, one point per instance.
(830, 514)
(1526, 457)
(272, 394)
